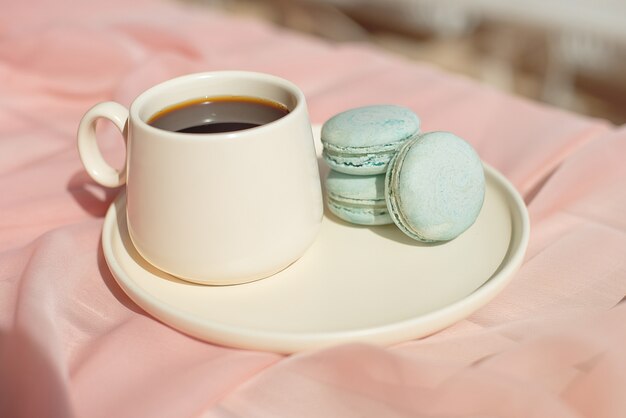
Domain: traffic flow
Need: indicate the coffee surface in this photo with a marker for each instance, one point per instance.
(218, 114)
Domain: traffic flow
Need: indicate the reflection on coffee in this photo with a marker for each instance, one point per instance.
(218, 114)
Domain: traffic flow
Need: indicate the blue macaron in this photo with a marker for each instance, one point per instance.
(363, 140)
(357, 199)
(435, 187)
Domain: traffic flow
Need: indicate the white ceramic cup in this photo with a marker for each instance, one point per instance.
(218, 208)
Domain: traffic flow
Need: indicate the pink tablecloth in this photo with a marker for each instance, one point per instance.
(72, 344)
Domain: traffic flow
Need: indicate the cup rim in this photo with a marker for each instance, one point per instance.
(289, 86)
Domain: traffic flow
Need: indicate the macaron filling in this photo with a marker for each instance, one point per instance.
(372, 161)
(362, 213)
(392, 195)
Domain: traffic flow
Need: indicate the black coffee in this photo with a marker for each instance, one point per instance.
(218, 114)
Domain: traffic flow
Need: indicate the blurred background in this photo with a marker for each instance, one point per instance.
(568, 53)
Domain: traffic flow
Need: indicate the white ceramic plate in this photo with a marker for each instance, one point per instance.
(370, 284)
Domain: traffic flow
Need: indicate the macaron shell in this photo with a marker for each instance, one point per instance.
(363, 140)
(435, 187)
(357, 199)
(369, 126)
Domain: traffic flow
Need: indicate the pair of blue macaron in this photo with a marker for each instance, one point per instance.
(383, 171)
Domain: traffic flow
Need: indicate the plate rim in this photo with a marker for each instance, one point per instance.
(290, 342)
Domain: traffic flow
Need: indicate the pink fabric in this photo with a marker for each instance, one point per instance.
(73, 345)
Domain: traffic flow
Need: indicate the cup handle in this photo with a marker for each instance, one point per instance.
(90, 154)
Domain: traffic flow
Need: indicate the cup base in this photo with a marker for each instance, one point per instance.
(123, 223)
